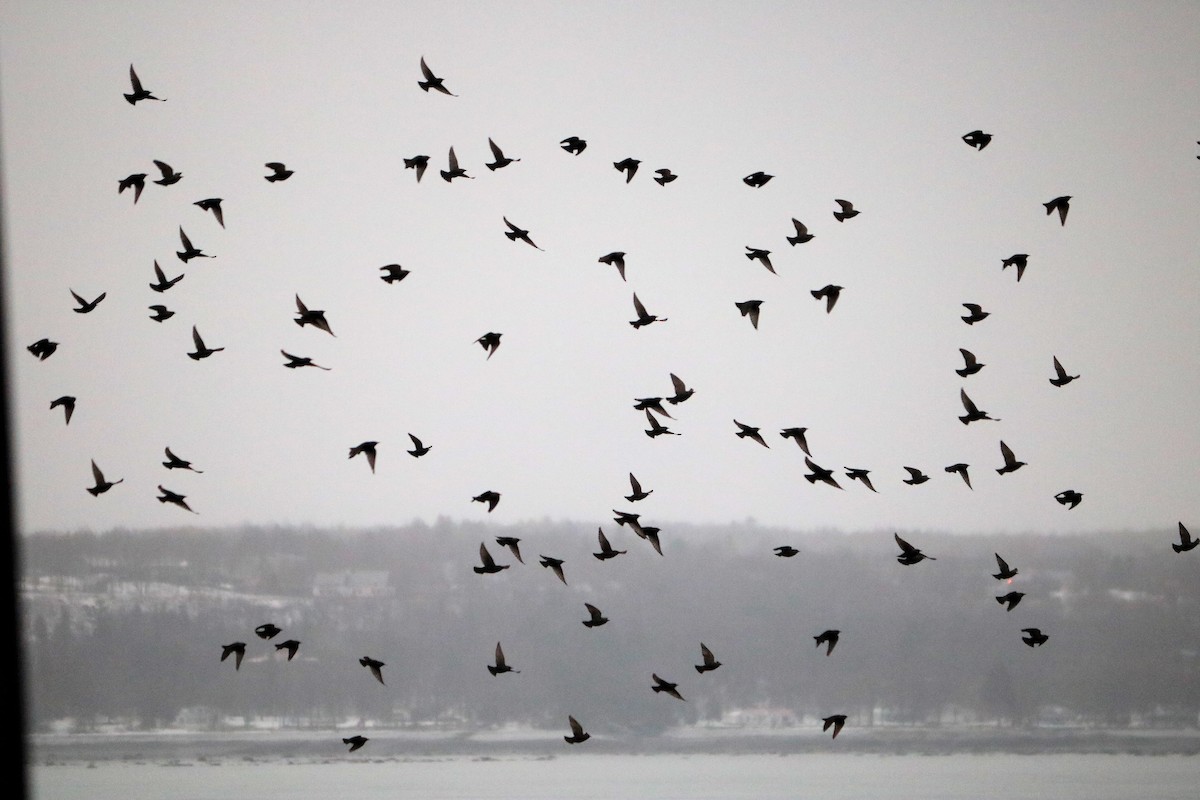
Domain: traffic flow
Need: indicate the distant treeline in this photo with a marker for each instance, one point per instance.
(130, 625)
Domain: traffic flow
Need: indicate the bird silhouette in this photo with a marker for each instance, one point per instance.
(636, 488)
(573, 145)
(975, 313)
(819, 473)
(418, 448)
(267, 631)
(1034, 637)
(1069, 498)
(763, 257)
(163, 282)
(1010, 461)
(837, 721)
(1018, 260)
(161, 313)
(294, 362)
(973, 413)
(642, 317)
(864, 475)
(786, 551)
(501, 666)
(555, 565)
(629, 166)
(709, 661)
(212, 204)
(67, 403)
(86, 306)
(420, 163)
(355, 742)
(367, 449)
(828, 638)
(189, 251)
(970, 364)
(661, 685)
(595, 617)
(393, 273)
(757, 180)
(489, 566)
(1060, 204)
(432, 81)
(202, 351)
(961, 469)
(751, 309)
(977, 139)
(291, 646)
(577, 733)
(615, 259)
(632, 520)
(311, 316)
(43, 348)
(375, 666)
(682, 392)
(650, 534)
(136, 181)
(665, 176)
(102, 485)
(490, 497)
(830, 293)
(138, 94)
(1010, 600)
(489, 342)
(908, 554)
(1186, 542)
(798, 434)
(175, 462)
(498, 154)
(513, 544)
(606, 549)
(175, 498)
(514, 233)
(745, 431)
(237, 650)
(455, 171)
(169, 175)
(279, 171)
(915, 476)
(802, 234)
(1061, 378)
(847, 211)
(1006, 572)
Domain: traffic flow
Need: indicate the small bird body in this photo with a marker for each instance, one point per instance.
(1186, 541)
(682, 392)
(915, 476)
(573, 145)
(1018, 260)
(642, 317)
(1069, 498)
(393, 273)
(864, 475)
(513, 544)
(102, 485)
(139, 93)
(432, 81)
(615, 259)
(1010, 600)
(489, 342)
(797, 434)
(661, 685)
(1010, 461)
(490, 497)
(514, 233)
(1006, 572)
(802, 234)
(757, 180)
(167, 496)
(555, 565)
(1061, 378)
(830, 293)
(961, 469)
(136, 181)
(977, 139)
(355, 742)
(279, 171)
(819, 473)
(175, 462)
(751, 309)
(975, 313)
(1060, 204)
(973, 413)
(709, 661)
(212, 204)
(828, 638)
(836, 722)
(86, 306)
(163, 283)
(786, 551)
(636, 487)
(606, 549)
(488, 565)
(419, 163)
(454, 171)
(762, 256)
(189, 251)
(501, 666)
(629, 166)
(43, 348)
(67, 403)
(291, 646)
(295, 362)
(419, 449)
(746, 431)
(311, 316)
(847, 211)
(367, 449)
(665, 176)
(235, 649)
(161, 313)
(501, 160)
(1034, 637)
(577, 733)
(169, 175)
(971, 365)
(909, 555)
(267, 631)
(595, 617)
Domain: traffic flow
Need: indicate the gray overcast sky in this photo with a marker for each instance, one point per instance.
(864, 102)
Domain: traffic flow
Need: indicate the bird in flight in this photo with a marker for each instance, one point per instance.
(392, 273)
(971, 365)
(212, 204)
(1010, 600)
(1186, 542)
(1061, 378)
(501, 664)
(1018, 260)
(977, 139)
(43, 348)
(490, 342)
(175, 498)
(1069, 498)
(169, 175)
(1006, 572)
(908, 554)
(86, 306)
(615, 259)
(355, 742)
(745, 431)
(514, 233)
(291, 645)
(847, 211)
(573, 145)
(757, 180)
(490, 497)
(555, 565)
(237, 650)
(961, 469)
(294, 362)
(829, 639)
(488, 565)
(175, 462)
(798, 434)
(455, 171)
(1034, 637)
(915, 476)
(1010, 461)
(595, 617)
(137, 182)
(102, 485)
(1060, 204)
(161, 313)
(314, 317)
(279, 171)
(513, 544)
(577, 733)
(642, 317)
(629, 166)
(786, 551)
(819, 473)
(661, 685)
(709, 661)
(836, 722)
(163, 282)
(975, 313)
(682, 392)
(973, 413)
(67, 402)
(751, 309)
(606, 549)
(419, 449)
(863, 475)
(665, 176)
(375, 666)
(368, 449)
(763, 256)
(432, 81)
(202, 351)
(636, 487)
(267, 631)
(657, 428)
(830, 293)
(802, 234)
(138, 92)
(498, 154)
(625, 518)
(189, 251)
(419, 163)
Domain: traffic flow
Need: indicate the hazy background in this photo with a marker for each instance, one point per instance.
(866, 103)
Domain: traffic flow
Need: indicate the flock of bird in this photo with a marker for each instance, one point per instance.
(655, 412)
